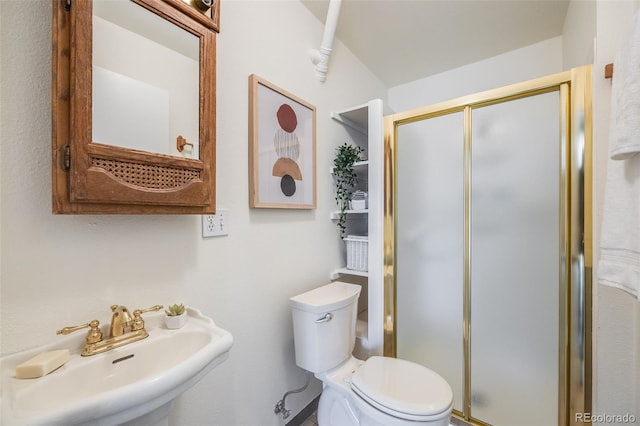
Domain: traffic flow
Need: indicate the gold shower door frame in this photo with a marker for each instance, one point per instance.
(575, 219)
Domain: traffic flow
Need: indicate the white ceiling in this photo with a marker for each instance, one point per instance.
(404, 40)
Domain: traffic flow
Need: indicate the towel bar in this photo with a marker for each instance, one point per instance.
(608, 71)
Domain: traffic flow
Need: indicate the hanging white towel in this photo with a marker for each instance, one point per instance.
(619, 264)
(625, 130)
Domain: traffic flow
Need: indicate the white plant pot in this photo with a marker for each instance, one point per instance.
(176, 321)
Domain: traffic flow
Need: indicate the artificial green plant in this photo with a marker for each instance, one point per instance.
(345, 179)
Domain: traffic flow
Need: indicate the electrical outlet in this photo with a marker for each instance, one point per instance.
(215, 225)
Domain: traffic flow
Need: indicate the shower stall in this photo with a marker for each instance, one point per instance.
(488, 248)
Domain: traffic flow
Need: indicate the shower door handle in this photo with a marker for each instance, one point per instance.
(326, 318)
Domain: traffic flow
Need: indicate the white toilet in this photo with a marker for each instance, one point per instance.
(379, 391)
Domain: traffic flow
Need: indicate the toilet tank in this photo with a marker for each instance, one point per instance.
(324, 325)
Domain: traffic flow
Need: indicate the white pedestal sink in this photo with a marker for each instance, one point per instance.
(131, 385)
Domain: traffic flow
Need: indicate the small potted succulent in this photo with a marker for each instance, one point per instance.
(175, 316)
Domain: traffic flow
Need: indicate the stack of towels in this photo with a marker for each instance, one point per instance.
(619, 264)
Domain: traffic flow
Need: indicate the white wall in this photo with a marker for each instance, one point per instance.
(616, 314)
(66, 270)
(578, 34)
(523, 64)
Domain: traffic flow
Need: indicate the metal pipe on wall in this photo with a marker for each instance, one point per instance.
(320, 57)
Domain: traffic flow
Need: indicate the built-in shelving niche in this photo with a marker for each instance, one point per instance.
(364, 126)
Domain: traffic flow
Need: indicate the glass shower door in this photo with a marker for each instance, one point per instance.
(430, 246)
(512, 221)
(488, 248)
(515, 261)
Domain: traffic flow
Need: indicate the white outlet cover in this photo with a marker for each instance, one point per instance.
(215, 225)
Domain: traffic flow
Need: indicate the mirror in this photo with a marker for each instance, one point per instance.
(147, 95)
(133, 107)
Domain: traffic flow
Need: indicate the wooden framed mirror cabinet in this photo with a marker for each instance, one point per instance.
(134, 106)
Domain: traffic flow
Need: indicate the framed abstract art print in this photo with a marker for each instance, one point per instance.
(282, 148)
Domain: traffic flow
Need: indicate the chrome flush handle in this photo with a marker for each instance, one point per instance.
(326, 318)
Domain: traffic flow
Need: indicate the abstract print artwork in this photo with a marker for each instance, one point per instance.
(282, 148)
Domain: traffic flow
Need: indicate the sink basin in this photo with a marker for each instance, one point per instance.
(134, 384)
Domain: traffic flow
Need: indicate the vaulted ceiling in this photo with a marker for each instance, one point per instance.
(404, 40)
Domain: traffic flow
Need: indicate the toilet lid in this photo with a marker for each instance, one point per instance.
(402, 388)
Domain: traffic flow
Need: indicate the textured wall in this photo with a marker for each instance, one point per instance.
(616, 314)
(65, 270)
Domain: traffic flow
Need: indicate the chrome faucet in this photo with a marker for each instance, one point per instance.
(123, 329)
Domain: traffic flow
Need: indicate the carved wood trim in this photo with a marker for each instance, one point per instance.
(89, 186)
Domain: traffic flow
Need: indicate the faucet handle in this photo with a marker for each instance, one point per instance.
(93, 336)
(151, 309)
(138, 322)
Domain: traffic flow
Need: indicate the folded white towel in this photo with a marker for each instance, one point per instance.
(619, 264)
(625, 133)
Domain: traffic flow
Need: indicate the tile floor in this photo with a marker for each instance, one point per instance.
(312, 420)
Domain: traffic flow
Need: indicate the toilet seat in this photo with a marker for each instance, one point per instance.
(403, 389)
